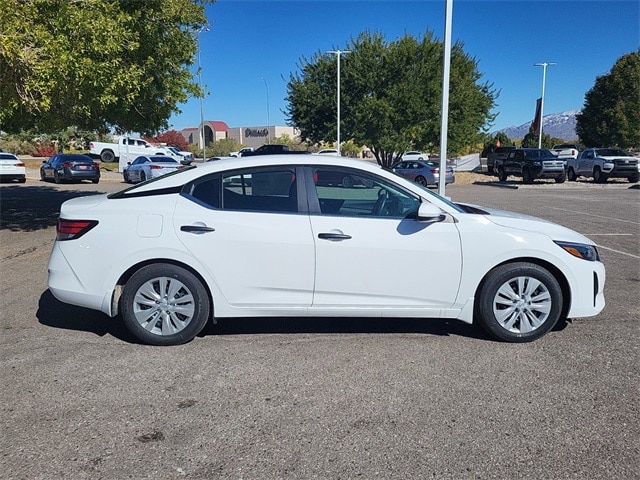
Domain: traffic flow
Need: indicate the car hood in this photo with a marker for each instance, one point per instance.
(615, 157)
(530, 223)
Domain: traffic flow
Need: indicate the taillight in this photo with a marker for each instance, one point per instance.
(20, 164)
(156, 167)
(66, 165)
(96, 165)
(72, 229)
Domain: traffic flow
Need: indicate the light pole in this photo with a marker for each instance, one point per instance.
(446, 73)
(338, 54)
(204, 28)
(544, 66)
(268, 120)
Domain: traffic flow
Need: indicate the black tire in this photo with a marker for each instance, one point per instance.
(502, 175)
(571, 175)
(143, 176)
(421, 180)
(561, 178)
(163, 304)
(634, 178)
(95, 180)
(347, 181)
(42, 177)
(598, 176)
(519, 302)
(489, 169)
(527, 176)
(22, 180)
(56, 178)
(107, 156)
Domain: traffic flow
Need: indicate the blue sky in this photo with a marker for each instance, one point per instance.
(253, 42)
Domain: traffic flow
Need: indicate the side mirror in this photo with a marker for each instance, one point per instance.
(428, 212)
(128, 163)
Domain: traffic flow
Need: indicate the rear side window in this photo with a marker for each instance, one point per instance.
(268, 190)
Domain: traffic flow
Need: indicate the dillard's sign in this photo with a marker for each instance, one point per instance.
(255, 132)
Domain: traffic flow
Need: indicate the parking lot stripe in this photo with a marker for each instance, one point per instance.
(592, 215)
(618, 251)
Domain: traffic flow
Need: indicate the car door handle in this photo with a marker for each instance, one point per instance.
(196, 229)
(334, 236)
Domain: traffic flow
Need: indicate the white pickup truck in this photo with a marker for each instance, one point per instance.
(604, 163)
(566, 150)
(131, 147)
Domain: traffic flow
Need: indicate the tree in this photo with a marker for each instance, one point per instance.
(611, 113)
(172, 138)
(500, 139)
(390, 97)
(96, 64)
(530, 140)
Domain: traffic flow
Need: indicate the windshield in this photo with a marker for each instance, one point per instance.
(611, 152)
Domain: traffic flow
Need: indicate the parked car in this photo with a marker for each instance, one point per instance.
(111, 152)
(272, 149)
(426, 172)
(328, 151)
(256, 237)
(147, 167)
(498, 154)
(530, 164)
(12, 168)
(414, 155)
(71, 167)
(182, 155)
(604, 163)
(241, 152)
(566, 150)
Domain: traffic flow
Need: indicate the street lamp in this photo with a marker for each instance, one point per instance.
(544, 66)
(204, 28)
(338, 54)
(268, 120)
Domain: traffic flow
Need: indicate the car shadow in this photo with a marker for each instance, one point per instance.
(53, 313)
(56, 314)
(32, 208)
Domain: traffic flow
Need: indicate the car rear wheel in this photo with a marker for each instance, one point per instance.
(634, 178)
(108, 156)
(502, 175)
(571, 175)
(143, 177)
(163, 304)
(347, 182)
(56, 178)
(519, 302)
(95, 180)
(421, 180)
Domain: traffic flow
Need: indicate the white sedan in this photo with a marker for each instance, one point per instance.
(146, 167)
(12, 168)
(263, 236)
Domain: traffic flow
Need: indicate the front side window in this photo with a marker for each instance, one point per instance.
(346, 192)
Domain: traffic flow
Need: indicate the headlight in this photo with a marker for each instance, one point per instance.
(580, 250)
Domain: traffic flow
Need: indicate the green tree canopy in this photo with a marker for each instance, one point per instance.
(96, 64)
(611, 112)
(391, 95)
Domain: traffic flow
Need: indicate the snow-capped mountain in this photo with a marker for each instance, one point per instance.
(560, 125)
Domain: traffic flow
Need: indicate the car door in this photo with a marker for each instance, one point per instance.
(248, 232)
(372, 252)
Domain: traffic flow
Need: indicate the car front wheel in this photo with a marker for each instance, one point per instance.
(163, 304)
(502, 174)
(598, 176)
(519, 302)
(571, 174)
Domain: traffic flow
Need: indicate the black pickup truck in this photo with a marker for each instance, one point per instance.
(531, 163)
(272, 149)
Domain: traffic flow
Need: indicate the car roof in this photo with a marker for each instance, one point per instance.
(232, 163)
(7, 156)
(74, 157)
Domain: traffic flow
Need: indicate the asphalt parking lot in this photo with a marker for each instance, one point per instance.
(321, 398)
